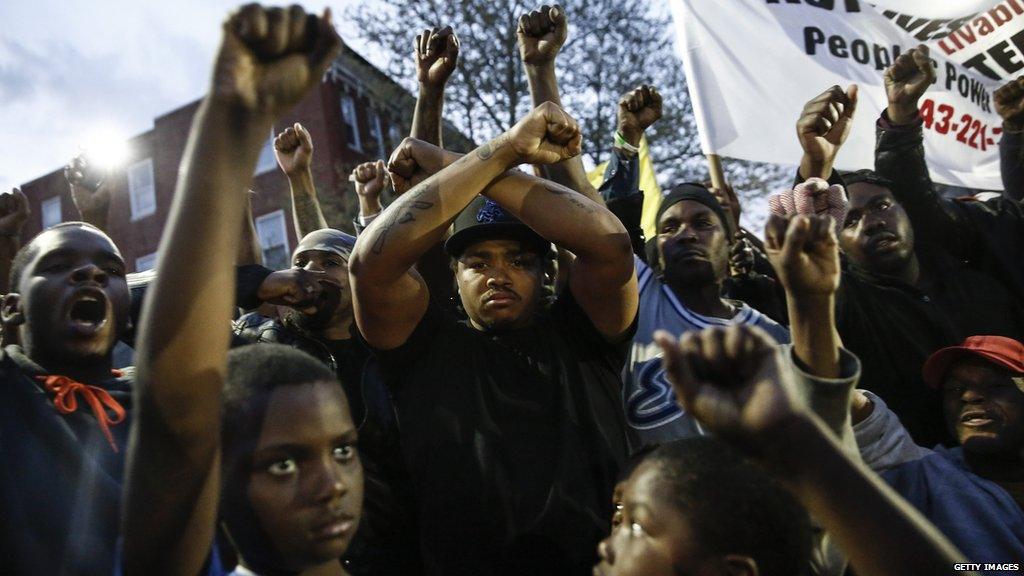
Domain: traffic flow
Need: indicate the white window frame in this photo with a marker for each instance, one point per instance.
(47, 207)
(267, 161)
(282, 228)
(351, 119)
(377, 131)
(142, 261)
(395, 134)
(136, 190)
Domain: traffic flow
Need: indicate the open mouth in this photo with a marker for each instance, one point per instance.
(88, 311)
(975, 419)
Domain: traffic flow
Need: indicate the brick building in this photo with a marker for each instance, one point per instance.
(358, 114)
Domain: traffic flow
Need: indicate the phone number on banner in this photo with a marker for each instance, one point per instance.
(969, 130)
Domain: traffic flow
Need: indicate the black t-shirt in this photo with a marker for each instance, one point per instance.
(513, 441)
(893, 328)
(60, 480)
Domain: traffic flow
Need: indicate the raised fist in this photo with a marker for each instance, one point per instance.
(824, 124)
(270, 57)
(293, 149)
(545, 136)
(1010, 104)
(437, 53)
(638, 109)
(14, 212)
(413, 162)
(89, 190)
(541, 34)
(804, 253)
(906, 81)
(731, 380)
(293, 287)
(370, 179)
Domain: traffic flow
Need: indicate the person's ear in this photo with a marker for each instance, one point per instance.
(739, 565)
(11, 313)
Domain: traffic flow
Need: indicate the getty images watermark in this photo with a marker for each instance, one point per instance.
(965, 567)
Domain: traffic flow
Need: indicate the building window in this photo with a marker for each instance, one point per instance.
(141, 191)
(348, 115)
(395, 135)
(51, 212)
(377, 132)
(267, 161)
(273, 236)
(147, 262)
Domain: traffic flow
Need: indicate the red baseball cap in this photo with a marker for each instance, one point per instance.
(1005, 352)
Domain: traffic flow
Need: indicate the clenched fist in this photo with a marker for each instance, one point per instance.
(1010, 104)
(823, 127)
(14, 212)
(541, 34)
(89, 191)
(270, 57)
(804, 252)
(906, 81)
(638, 109)
(370, 179)
(413, 162)
(293, 149)
(731, 380)
(545, 136)
(437, 53)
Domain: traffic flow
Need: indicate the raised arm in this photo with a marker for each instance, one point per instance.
(388, 298)
(293, 149)
(1009, 100)
(249, 250)
(899, 155)
(90, 191)
(370, 179)
(638, 109)
(437, 54)
(732, 381)
(805, 254)
(14, 212)
(268, 59)
(823, 127)
(541, 34)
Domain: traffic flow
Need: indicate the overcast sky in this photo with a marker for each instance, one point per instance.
(72, 71)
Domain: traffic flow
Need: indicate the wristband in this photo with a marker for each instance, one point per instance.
(620, 142)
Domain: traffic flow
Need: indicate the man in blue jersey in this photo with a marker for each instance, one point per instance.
(693, 257)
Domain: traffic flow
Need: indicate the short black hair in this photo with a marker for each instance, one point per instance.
(254, 372)
(733, 505)
(28, 251)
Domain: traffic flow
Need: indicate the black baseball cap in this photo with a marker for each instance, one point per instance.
(485, 219)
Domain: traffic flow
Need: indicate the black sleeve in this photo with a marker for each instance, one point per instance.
(567, 314)
(1011, 164)
(394, 363)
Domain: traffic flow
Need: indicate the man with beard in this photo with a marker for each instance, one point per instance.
(693, 255)
(912, 283)
(511, 423)
(63, 410)
(319, 318)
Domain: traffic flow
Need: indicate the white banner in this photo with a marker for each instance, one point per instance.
(751, 65)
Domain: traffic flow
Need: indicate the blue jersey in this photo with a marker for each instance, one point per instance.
(651, 408)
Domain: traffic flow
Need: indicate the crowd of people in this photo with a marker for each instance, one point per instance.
(499, 374)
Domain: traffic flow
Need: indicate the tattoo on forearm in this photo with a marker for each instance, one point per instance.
(402, 212)
(486, 151)
(571, 196)
(307, 211)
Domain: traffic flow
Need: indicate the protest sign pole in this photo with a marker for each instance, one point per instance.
(715, 168)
